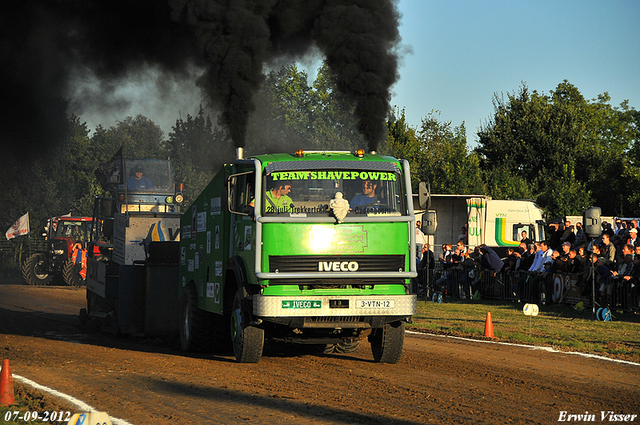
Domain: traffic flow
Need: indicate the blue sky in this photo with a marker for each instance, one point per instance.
(464, 52)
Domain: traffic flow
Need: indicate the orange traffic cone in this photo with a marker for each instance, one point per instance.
(6, 385)
(488, 326)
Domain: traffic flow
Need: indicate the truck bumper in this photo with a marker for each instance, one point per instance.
(334, 306)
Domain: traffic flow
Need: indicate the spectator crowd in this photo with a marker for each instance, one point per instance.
(609, 263)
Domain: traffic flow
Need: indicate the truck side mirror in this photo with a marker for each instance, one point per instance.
(424, 195)
(592, 222)
(429, 223)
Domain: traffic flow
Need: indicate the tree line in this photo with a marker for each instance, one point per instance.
(563, 151)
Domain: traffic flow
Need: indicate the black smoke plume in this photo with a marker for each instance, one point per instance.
(359, 39)
(43, 44)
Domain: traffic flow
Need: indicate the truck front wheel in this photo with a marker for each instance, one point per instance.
(34, 270)
(248, 341)
(196, 330)
(387, 342)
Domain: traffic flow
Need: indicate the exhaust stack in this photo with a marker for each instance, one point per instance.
(240, 153)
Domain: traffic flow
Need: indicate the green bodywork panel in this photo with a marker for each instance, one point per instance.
(204, 246)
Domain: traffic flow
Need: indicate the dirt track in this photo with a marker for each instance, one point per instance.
(439, 380)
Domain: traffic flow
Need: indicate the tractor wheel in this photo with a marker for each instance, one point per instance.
(70, 274)
(33, 271)
(248, 341)
(387, 342)
(196, 330)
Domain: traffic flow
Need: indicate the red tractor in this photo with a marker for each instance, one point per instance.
(64, 236)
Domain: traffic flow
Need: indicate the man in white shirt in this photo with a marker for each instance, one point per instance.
(420, 239)
(633, 237)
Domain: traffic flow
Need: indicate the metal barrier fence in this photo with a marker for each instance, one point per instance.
(13, 252)
(529, 287)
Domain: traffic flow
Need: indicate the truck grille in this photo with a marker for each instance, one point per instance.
(320, 263)
(315, 263)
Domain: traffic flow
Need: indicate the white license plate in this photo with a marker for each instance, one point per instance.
(375, 304)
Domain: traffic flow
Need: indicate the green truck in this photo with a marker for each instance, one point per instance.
(310, 248)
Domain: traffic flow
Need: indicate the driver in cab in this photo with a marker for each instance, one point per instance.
(278, 200)
(76, 233)
(138, 180)
(368, 195)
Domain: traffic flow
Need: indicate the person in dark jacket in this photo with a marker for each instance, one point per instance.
(490, 260)
(428, 258)
(425, 269)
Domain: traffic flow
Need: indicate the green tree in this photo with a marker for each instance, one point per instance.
(631, 163)
(57, 184)
(333, 118)
(565, 148)
(198, 150)
(403, 143)
(141, 137)
(291, 114)
(444, 157)
(502, 183)
(283, 112)
(610, 147)
(437, 152)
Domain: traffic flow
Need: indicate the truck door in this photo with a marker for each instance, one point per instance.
(241, 201)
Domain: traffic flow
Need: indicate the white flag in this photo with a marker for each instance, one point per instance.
(19, 228)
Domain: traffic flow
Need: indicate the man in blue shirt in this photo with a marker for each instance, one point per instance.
(367, 197)
(137, 180)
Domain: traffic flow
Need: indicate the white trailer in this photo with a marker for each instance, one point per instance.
(496, 223)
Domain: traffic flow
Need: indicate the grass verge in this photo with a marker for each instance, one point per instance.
(30, 400)
(557, 326)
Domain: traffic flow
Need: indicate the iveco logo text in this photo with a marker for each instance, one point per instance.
(337, 266)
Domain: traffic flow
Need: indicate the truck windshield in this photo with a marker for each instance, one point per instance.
(148, 175)
(309, 192)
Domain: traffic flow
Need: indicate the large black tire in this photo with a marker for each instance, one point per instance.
(32, 273)
(387, 343)
(248, 341)
(71, 274)
(196, 325)
(222, 343)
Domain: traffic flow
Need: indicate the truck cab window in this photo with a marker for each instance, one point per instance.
(310, 192)
(241, 193)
